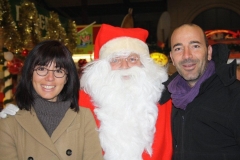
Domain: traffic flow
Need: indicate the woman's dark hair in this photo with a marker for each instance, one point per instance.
(42, 54)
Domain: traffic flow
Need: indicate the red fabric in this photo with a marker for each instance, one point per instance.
(162, 146)
(108, 32)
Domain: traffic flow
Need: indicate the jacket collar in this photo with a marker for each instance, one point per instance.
(227, 73)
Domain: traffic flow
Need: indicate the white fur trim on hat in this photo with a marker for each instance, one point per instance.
(123, 44)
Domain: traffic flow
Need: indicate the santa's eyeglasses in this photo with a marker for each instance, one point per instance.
(131, 60)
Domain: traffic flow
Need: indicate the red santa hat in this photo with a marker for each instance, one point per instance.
(112, 40)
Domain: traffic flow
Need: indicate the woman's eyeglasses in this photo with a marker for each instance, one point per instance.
(42, 71)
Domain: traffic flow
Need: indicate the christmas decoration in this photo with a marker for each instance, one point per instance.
(28, 28)
(55, 30)
(1, 12)
(8, 56)
(81, 62)
(15, 66)
(11, 37)
(8, 98)
(159, 58)
(72, 35)
(24, 52)
(1, 28)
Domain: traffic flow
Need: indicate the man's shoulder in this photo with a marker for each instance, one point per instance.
(235, 89)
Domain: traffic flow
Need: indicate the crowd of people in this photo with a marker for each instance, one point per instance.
(140, 112)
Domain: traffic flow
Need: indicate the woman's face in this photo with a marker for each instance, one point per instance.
(46, 82)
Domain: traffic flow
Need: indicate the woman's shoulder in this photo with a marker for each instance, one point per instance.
(12, 118)
(84, 110)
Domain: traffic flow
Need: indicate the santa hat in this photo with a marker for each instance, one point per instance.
(111, 40)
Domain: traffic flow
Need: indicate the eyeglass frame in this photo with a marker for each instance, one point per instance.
(36, 69)
(119, 60)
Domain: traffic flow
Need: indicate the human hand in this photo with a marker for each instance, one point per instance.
(10, 109)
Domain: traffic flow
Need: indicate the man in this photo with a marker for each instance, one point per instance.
(206, 98)
(123, 86)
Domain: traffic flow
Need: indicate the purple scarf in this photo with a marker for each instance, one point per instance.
(182, 94)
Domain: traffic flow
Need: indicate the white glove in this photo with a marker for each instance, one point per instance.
(10, 109)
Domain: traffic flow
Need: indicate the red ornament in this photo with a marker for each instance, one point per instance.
(15, 66)
(81, 62)
(24, 52)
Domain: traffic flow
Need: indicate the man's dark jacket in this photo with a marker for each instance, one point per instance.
(209, 128)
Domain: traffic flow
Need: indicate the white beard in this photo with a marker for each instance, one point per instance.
(126, 108)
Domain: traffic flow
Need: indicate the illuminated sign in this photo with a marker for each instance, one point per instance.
(222, 34)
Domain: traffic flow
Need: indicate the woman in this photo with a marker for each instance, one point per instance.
(50, 124)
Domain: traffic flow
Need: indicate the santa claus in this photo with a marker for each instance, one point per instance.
(125, 85)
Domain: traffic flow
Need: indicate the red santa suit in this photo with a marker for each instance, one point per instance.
(162, 144)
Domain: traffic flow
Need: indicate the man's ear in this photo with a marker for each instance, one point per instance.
(209, 52)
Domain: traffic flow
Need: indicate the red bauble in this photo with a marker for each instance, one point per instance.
(24, 52)
(82, 62)
(15, 66)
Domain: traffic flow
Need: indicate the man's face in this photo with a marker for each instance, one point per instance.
(189, 53)
(125, 62)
